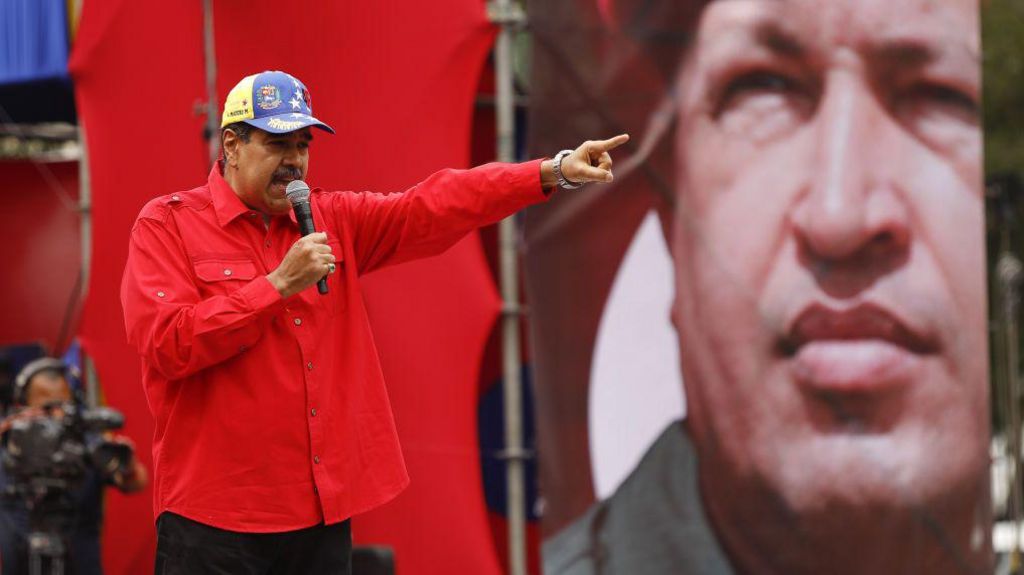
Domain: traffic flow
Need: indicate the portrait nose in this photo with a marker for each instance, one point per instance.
(292, 157)
(852, 201)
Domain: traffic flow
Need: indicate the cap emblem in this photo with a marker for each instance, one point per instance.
(268, 98)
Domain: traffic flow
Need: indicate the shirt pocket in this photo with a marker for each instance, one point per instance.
(223, 275)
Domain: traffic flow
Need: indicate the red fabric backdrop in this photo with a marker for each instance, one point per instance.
(396, 79)
(41, 252)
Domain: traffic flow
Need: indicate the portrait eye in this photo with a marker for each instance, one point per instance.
(761, 82)
(946, 97)
(761, 104)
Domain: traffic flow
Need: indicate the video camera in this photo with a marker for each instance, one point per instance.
(47, 455)
(50, 453)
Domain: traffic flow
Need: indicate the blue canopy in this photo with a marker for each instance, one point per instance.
(33, 40)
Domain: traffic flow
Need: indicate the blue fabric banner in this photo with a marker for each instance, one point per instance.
(33, 40)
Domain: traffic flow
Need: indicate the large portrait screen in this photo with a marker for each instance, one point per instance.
(763, 348)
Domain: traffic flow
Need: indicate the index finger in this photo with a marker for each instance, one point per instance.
(611, 143)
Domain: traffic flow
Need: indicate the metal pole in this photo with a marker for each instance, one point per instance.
(507, 15)
(92, 392)
(209, 51)
(84, 205)
(1010, 273)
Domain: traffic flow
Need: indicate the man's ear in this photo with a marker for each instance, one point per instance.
(230, 143)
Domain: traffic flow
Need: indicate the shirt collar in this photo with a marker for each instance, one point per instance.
(226, 203)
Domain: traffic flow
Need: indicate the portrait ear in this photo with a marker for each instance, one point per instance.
(229, 143)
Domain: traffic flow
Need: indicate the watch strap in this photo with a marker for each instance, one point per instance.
(557, 166)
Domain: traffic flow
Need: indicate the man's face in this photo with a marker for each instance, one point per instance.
(265, 165)
(829, 248)
(47, 390)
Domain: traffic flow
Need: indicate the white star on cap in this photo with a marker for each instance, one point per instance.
(296, 115)
(296, 105)
(296, 82)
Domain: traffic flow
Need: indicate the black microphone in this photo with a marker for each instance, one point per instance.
(298, 195)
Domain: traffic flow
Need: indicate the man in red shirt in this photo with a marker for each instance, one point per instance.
(273, 426)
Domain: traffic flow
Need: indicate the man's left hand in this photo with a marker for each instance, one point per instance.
(590, 162)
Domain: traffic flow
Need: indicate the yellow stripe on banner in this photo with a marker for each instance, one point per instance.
(238, 105)
(74, 11)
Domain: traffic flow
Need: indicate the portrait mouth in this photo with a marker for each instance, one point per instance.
(280, 185)
(281, 178)
(854, 365)
(866, 321)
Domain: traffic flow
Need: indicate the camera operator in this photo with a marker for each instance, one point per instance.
(42, 390)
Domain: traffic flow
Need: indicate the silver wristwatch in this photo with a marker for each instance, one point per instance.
(557, 163)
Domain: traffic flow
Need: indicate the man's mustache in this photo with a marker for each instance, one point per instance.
(287, 174)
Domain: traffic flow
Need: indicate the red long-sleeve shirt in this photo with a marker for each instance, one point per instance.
(271, 414)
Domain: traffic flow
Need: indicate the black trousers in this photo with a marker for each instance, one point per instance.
(186, 547)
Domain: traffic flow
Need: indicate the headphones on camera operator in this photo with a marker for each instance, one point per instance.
(41, 365)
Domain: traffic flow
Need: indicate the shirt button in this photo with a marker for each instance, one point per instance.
(309, 366)
(315, 490)
(316, 459)
(227, 272)
(176, 198)
(267, 243)
(160, 294)
(313, 412)
(298, 321)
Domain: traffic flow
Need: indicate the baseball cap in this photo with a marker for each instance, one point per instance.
(273, 101)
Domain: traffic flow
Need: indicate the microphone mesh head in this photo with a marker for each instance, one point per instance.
(297, 191)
